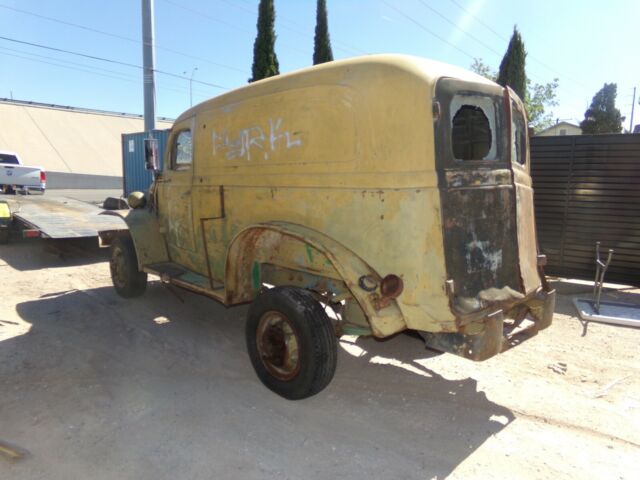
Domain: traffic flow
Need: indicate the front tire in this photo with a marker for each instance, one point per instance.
(291, 342)
(128, 281)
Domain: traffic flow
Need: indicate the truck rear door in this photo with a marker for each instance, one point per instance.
(525, 217)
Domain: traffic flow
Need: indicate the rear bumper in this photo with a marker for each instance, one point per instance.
(498, 333)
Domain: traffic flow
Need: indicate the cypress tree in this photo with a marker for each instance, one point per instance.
(265, 61)
(603, 116)
(511, 71)
(322, 44)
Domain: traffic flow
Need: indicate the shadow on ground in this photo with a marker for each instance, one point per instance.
(37, 253)
(157, 388)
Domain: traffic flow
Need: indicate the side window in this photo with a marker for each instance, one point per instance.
(473, 127)
(518, 135)
(182, 152)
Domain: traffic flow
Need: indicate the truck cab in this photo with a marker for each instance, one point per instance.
(365, 196)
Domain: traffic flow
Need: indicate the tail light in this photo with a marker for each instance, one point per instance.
(391, 286)
(43, 176)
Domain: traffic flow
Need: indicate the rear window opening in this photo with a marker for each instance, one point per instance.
(470, 133)
(473, 121)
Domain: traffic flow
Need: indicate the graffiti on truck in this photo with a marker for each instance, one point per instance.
(255, 142)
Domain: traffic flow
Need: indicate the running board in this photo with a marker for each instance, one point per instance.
(176, 275)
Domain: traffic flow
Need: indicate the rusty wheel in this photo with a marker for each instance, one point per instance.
(291, 342)
(127, 279)
(278, 345)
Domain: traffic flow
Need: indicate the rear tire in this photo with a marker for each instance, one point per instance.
(128, 281)
(291, 342)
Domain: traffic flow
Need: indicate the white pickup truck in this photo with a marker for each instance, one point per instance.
(14, 176)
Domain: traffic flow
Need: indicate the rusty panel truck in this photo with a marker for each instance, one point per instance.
(391, 190)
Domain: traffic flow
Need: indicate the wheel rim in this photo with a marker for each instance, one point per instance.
(278, 345)
(118, 267)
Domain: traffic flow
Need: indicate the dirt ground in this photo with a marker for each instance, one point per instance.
(160, 387)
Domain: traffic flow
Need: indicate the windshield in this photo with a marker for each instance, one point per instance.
(8, 158)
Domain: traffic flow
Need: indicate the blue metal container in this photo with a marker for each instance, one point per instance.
(135, 177)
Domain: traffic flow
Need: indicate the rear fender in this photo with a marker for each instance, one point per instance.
(144, 229)
(297, 248)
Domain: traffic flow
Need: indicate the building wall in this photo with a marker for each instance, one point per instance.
(77, 148)
(560, 129)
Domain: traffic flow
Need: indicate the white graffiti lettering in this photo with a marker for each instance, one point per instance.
(240, 146)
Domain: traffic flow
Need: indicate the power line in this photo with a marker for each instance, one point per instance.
(338, 45)
(121, 77)
(160, 86)
(120, 37)
(423, 27)
(102, 59)
(476, 39)
(446, 19)
(488, 27)
(207, 16)
(199, 13)
(413, 20)
(90, 69)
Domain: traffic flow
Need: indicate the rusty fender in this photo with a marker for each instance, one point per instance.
(300, 248)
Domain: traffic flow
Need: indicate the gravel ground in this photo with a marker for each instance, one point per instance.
(160, 387)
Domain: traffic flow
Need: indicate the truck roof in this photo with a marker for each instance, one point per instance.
(429, 70)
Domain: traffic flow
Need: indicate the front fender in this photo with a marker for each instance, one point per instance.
(302, 248)
(144, 229)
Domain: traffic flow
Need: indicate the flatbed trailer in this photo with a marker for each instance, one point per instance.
(58, 217)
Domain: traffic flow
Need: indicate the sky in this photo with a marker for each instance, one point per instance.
(582, 43)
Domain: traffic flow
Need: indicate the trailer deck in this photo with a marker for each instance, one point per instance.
(60, 217)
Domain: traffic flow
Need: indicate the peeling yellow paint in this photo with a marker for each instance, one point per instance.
(329, 171)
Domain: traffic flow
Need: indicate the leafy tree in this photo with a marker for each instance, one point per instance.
(265, 61)
(478, 66)
(322, 44)
(537, 100)
(511, 70)
(603, 116)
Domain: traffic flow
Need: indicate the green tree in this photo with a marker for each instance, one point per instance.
(321, 43)
(265, 61)
(603, 116)
(538, 99)
(511, 71)
(478, 66)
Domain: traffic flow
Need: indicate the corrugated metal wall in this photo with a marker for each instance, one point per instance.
(587, 189)
(135, 176)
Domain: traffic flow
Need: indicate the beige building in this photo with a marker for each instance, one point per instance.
(560, 129)
(77, 147)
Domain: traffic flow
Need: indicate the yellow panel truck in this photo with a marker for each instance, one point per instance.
(365, 196)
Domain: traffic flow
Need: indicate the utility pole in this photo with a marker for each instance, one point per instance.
(633, 106)
(148, 61)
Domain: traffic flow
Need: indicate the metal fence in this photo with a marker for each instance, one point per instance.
(135, 177)
(587, 189)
